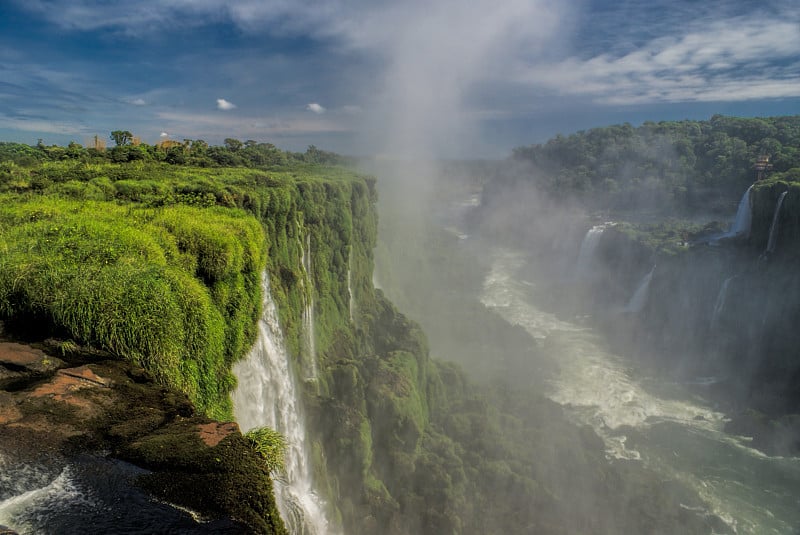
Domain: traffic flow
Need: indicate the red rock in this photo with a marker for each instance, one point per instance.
(213, 433)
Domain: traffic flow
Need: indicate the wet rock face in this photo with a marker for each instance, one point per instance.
(56, 408)
(21, 363)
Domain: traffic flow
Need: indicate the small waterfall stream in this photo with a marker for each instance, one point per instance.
(741, 222)
(639, 298)
(588, 247)
(744, 216)
(310, 336)
(351, 299)
(722, 297)
(267, 395)
(775, 227)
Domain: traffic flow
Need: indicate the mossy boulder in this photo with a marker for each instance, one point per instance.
(94, 403)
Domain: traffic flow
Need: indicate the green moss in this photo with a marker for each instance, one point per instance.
(228, 478)
(130, 280)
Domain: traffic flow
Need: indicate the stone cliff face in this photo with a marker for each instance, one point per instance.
(99, 396)
(724, 308)
(367, 399)
(86, 403)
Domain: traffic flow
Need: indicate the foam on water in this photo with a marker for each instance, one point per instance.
(267, 395)
(660, 424)
(591, 379)
(16, 511)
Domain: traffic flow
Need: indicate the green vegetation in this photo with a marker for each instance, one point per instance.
(694, 164)
(271, 445)
(156, 254)
(195, 153)
(171, 289)
(494, 455)
(161, 264)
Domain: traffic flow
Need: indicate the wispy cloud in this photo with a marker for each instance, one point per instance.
(211, 126)
(741, 58)
(411, 76)
(224, 105)
(34, 124)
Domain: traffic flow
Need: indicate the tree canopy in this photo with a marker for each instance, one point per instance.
(674, 163)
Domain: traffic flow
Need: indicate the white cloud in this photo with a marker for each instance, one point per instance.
(727, 60)
(163, 134)
(40, 125)
(138, 102)
(316, 108)
(212, 125)
(224, 105)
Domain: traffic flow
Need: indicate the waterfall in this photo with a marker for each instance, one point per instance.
(309, 312)
(773, 229)
(588, 247)
(741, 223)
(639, 298)
(267, 396)
(744, 216)
(351, 302)
(722, 297)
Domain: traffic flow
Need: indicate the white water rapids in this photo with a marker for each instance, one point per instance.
(649, 420)
(267, 396)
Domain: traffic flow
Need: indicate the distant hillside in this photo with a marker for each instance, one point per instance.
(684, 164)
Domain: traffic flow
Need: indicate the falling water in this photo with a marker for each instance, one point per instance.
(639, 298)
(588, 247)
(744, 216)
(773, 229)
(309, 312)
(722, 297)
(352, 301)
(267, 396)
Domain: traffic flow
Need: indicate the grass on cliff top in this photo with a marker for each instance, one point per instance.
(153, 261)
(174, 289)
(156, 183)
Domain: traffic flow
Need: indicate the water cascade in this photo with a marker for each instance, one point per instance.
(267, 396)
(59, 489)
(588, 247)
(351, 300)
(744, 216)
(773, 229)
(722, 297)
(309, 312)
(639, 298)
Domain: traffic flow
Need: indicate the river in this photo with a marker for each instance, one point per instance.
(667, 425)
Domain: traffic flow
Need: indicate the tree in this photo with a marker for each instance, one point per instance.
(198, 147)
(121, 137)
(232, 145)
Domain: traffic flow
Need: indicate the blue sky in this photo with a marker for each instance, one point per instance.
(435, 77)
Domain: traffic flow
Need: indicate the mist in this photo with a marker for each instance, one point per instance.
(657, 345)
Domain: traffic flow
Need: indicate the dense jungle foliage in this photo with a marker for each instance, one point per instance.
(670, 164)
(155, 262)
(160, 262)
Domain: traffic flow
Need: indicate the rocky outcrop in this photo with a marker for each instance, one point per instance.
(82, 403)
(20, 363)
